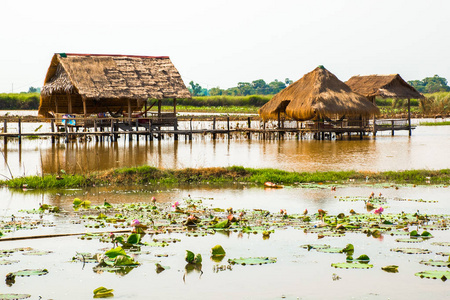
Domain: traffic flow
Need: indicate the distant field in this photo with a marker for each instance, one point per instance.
(432, 105)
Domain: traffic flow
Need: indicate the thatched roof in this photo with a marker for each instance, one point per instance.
(108, 81)
(318, 94)
(386, 86)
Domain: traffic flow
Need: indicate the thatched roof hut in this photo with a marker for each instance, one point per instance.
(93, 83)
(318, 94)
(386, 86)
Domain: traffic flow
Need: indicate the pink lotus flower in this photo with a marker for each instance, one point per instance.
(135, 222)
(153, 199)
(379, 210)
(176, 204)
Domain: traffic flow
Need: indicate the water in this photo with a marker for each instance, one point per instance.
(298, 274)
(426, 149)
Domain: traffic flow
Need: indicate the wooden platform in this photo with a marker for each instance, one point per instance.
(153, 128)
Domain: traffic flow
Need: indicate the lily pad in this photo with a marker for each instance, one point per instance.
(352, 266)
(444, 244)
(4, 262)
(410, 240)
(253, 260)
(315, 246)
(390, 269)
(443, 275)
(217, 251)
(103, 292)
(436, 263)
(411, 250)
(14, 296)
(30, 272)
(330, 250)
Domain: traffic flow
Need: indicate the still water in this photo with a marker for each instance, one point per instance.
(427, 148)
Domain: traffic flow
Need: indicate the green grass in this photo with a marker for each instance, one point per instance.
(446, 123)
(147, 174)
(25, 101)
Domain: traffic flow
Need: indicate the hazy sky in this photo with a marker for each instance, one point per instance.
(220, 43)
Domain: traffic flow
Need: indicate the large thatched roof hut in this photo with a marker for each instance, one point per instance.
(385, 86)
(318, 94)
(94, 83)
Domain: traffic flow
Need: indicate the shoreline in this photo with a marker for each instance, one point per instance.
(136, 176)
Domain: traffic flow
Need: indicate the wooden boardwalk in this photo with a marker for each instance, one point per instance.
(103, 129)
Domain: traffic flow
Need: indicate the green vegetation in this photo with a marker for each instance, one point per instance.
(445, 123)
(431, 84)
(147, 174)
(23, 101)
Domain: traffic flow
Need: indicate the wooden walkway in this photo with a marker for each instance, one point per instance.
(103, 129)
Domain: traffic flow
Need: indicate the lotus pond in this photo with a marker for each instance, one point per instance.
(306, 241)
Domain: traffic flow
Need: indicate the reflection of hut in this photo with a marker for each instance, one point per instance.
(386, 86)
(88, 84)
(317, 95)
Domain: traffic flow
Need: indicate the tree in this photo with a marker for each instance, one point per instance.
(215, 91)
(276, 86)
(287, 81)
(32, 89)
(245, 88)
(195, 89)
(431, 84)
(260, 87)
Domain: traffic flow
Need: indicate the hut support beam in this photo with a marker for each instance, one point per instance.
(409, 116)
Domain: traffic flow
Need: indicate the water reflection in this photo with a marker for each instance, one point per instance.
(426, 149)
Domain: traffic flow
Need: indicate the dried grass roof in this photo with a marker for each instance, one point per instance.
(386, 86)
(97, 76)
(317, 94)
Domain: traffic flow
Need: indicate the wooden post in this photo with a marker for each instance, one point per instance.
(85, 113)
(52, 126)
(69, 104)
(112, 130)
(190, 126)
(129, 112)
(409, 116)
(95, 129)
(175, 124)
(20, 130)
(374, 125)
(214, 128)
(228, 127)
(249, 125)
(145, 108)
(5, 130)
(56, 103)
(392, 127)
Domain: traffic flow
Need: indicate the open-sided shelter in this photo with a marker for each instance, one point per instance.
(96, 83)
(317, 95)
(385, 86)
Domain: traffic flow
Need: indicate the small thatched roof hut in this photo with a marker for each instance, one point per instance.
(386, 86)
(93, 83)
(318, 94)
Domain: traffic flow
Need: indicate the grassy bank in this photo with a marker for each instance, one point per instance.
(445, 123)
(25, 101)
(146, 175)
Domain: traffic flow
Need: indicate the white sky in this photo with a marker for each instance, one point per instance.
(220, 43)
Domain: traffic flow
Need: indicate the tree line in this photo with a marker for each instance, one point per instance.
(431, 85)
(256, 87)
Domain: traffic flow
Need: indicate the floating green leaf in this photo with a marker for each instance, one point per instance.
(390, 269)
(443, 275)
(253, 260)
(189, 257)
(134, 238)
(330, 250)
(103, 292)
(30, 272)
(315, 246)
(7, 262)
(348, 265)
(217, 250)
(436, 263)
(444, 244)
(411, 250)
(115, 252)
(14, 296)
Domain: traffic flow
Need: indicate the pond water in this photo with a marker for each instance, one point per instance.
(426, 149)
(297, 274)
